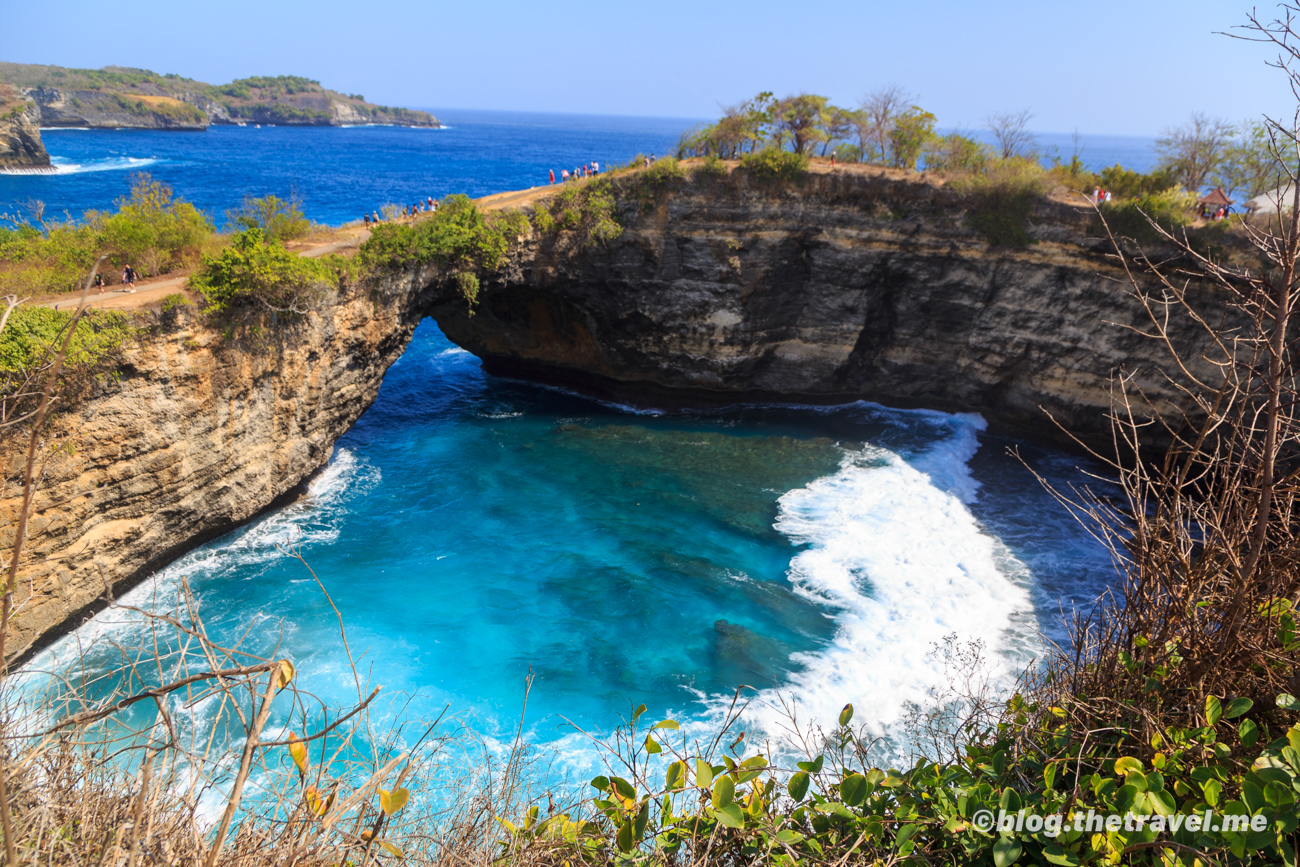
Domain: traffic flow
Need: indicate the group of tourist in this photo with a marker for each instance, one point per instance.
(585, 170)
(426, 207)
(1099, 195)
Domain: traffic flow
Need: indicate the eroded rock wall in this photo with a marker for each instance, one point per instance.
(852, 285)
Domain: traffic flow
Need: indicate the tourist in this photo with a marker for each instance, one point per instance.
(832, 157)
(1096, 195)
(366, 219)
(1108, 197)
(128, 278)
(647, 162)
(99, 283)
(564, 176)
(552, 177)
(595, 167)
(375, 217)
(430, 202)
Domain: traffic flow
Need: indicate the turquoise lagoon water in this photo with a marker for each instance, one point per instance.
(473, 529)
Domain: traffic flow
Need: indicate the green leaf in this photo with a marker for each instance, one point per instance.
(666, 724)
(1288, 702)
(1213, 710)
(724, 792)
(703, 774)
(1128, 765)
(1049, 776)
(846, 714)
(853, 789)
(636, 714)
(798, 786)
(1248, 732)
(623, 787)
(600, 784)
(652, 746)
(624, 839)
(813, 767)
(642, 817)
(789, 836)
(731, 816)
(1005, 851)
(676, 775)
(1237, 707)
(1279, 797)
(1057, 855)
(1212, 789)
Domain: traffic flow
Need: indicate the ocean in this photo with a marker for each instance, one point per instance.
(474, 530)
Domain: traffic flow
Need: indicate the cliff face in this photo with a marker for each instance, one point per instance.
(20, 137)
(105, 110)
(196, 437)
(852, 285)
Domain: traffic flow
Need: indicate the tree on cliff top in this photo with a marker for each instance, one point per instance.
(1195, 150)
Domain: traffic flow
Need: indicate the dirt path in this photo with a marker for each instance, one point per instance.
(150, 291)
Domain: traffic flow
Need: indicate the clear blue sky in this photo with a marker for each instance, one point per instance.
(1106, 66)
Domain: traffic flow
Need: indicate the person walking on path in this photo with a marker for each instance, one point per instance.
(128, 277)
(595, 167)
(99, 283)
(564, 175)
(552, 177)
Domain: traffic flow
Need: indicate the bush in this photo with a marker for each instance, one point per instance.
(587, 209)
(175, 300)
(279, 219)
(260, 274)
(457, 237)
(1171, 209)
(775, 164)
(1124, 183)
(1002, 200)
(956, 153)
(32, 333)
(712, 167)
(153, 231)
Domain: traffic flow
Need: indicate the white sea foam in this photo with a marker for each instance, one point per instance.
(62, 166)
(896, 558)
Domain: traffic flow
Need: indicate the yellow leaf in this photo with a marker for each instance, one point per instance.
(393, 801)
(286, 674)
(315, 802)
(298, 750)
(392, 850)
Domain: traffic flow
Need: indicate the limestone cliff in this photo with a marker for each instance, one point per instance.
(858, 284)
(107, 110)
(20, 137)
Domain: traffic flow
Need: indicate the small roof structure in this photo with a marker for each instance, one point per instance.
(1272, 201)
(1216, 197)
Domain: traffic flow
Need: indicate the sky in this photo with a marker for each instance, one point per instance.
(1116, 67)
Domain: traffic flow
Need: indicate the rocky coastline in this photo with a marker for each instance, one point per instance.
(21, 148)
(852, 285)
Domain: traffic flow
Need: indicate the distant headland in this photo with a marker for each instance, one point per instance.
(126, 98)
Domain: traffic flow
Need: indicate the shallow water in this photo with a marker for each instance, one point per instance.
(473, 529)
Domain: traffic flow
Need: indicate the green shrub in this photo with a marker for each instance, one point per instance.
(457, 237)
(587, 209)
(1001, 201)
(279, 219)
(956, 153)
(152, 231)
(1171, 209)
(257, 273)
(1124, 183)
(175, 300)
(775, 164)
(33, 333)
(713, 167)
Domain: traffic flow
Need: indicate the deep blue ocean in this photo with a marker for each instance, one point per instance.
(473, 530)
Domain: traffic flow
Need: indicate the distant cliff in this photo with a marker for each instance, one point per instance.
(118, 97)
(20, 134)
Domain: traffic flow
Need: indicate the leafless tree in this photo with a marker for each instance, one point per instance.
(880, 108)
(1196, 149)
(1010, 131)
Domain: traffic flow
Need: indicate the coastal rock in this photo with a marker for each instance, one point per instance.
(20, 137)
(852, 285)
(105, 110)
